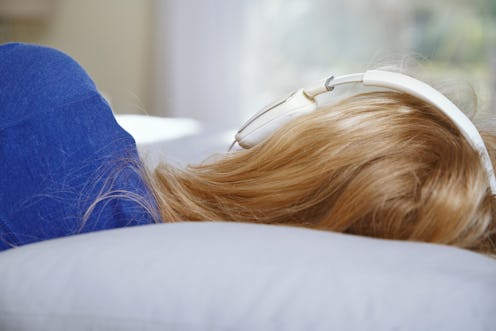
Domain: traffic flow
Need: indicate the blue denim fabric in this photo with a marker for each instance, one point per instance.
(60, 150)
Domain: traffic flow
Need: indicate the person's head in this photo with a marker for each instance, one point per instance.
(382, 164)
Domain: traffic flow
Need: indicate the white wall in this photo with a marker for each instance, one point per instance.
(198, 47)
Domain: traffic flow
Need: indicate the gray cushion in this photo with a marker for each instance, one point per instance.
(226, 276)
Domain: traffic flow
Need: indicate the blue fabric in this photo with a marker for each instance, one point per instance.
(61, 150)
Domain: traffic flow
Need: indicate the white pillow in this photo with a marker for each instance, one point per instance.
(150, 129)
(179, 141)
(227, 276)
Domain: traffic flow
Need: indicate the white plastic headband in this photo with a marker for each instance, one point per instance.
(421, 90)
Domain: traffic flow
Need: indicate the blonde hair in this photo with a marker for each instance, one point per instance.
(380, 164)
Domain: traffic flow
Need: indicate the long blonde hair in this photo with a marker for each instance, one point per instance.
(381, 164)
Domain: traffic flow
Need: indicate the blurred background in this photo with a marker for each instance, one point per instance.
(218, 61)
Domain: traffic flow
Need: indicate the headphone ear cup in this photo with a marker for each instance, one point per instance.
(270, 119)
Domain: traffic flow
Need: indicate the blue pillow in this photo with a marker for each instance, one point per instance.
(66, 166)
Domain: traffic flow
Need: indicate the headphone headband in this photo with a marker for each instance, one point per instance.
(302, 101)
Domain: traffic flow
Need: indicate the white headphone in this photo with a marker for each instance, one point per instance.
(269, 119)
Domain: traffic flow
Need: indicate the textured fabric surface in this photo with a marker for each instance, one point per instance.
(61, 150)
(244, 277)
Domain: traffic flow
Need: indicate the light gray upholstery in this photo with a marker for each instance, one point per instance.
(226, 276)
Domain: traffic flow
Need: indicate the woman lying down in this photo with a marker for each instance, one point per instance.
(401, 164)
